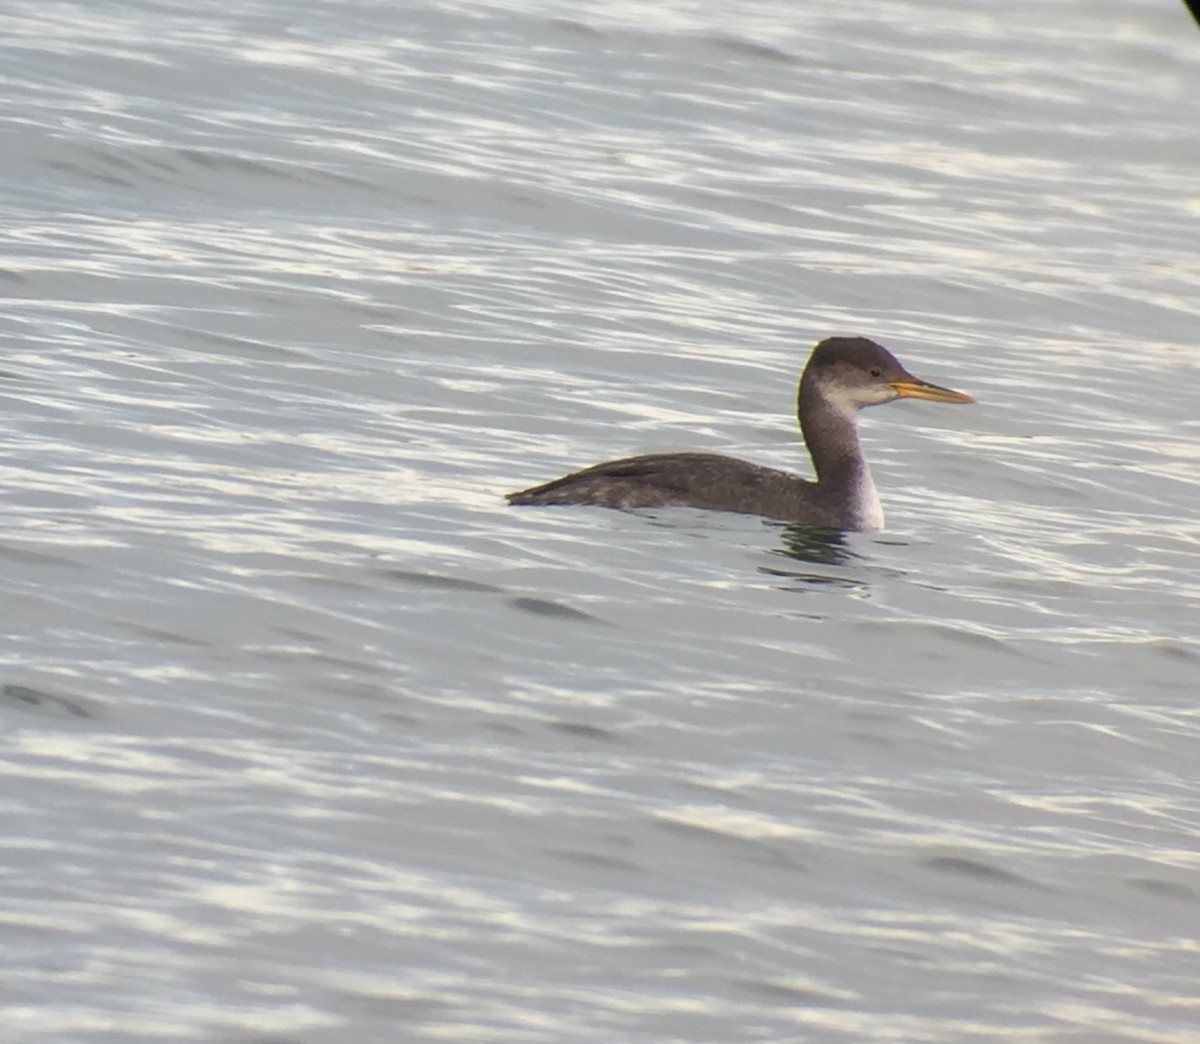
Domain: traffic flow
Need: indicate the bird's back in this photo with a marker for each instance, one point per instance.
(700, 480)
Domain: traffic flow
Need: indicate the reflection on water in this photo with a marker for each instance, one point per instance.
(812, 545)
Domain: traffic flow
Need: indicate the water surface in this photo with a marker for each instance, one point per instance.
(309, 738)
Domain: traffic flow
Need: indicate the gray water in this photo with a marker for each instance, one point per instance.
(308, 738)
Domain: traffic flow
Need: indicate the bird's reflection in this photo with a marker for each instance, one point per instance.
(814, 544)
(823, 551)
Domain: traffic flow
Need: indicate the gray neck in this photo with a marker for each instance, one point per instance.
(830, 430)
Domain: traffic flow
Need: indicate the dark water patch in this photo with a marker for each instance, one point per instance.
(974, 868)
(1177, 650)
(545, 607)
(594, 860)
(218, 162)
(1163, 889)
(796, 581)
(125, 169)
(502, 728)
(45, 702)
(871, 739)
(568, 25)
(168, 637)
(588, 732)
(15, 554)
(749, 49)
(437, 580)
(784, 993)
(902, 956)
(103, 177)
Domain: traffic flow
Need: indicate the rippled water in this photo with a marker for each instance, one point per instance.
(309, 738)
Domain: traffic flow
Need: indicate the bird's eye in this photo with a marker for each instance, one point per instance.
(875, 372)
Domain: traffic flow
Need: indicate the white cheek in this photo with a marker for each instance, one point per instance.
(848, 401)
(843, 400)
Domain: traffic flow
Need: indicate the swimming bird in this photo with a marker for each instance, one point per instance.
(843, 375)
